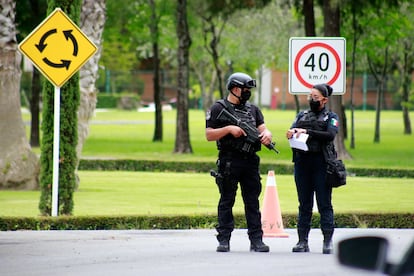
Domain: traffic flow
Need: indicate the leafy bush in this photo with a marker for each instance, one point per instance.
(159, 165)
(106, 101)
(67, 149)
(120, 101)
(389, 220)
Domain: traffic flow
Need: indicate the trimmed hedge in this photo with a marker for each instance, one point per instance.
(120, 101)
(360, 220)
(107, 101)
(157, 166)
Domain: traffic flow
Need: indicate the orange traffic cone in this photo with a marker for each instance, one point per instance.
(272, 224)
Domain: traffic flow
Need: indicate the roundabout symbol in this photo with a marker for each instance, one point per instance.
(64, 63)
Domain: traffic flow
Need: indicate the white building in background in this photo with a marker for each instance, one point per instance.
(270, 91)
(264, 83)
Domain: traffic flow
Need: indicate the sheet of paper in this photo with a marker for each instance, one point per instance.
(299, 142)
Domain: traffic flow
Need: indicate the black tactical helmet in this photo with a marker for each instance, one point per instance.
(240, 80)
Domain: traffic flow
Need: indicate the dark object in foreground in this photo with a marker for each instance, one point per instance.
(370, 253)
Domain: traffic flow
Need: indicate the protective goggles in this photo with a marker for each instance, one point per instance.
(250, 83)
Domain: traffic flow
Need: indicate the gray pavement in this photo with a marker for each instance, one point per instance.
(174, 252)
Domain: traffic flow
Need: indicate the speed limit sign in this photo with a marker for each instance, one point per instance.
(314, 60)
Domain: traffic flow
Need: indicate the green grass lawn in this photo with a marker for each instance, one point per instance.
(122, 134)
(159, 193)
(128, 134)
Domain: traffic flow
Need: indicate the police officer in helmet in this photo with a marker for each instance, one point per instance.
(310, 166)
(237, 160)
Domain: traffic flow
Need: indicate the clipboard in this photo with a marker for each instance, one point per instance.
(299, 142)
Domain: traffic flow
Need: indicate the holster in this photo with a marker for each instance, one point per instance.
(222, 175)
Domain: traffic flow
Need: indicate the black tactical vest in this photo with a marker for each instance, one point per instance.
(240, 144)
(315, 121)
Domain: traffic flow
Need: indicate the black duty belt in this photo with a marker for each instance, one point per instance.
(236, 154)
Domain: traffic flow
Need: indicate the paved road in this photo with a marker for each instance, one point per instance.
(172, 252)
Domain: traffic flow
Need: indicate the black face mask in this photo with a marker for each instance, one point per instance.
(314, 105)
(245, 96)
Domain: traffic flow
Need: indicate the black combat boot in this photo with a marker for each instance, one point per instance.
(302, 245)
(224, 246)
(327, 247)
(258, 246)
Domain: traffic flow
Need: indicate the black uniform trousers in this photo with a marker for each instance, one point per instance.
(310, 174)
(244, 169)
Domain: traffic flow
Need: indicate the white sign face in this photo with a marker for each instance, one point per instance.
(315, 60)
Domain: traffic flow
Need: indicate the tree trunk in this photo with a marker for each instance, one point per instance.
(206, 86)
(158, 135)
(212, 48)
(259, 85)
(406, 91)
(37, 9)
(380, 80)
(331, 15)
(210, 93)
(354, 48)
(377, 132)
(407, 121)
(19, 166)
(309, 15)
(182, 139)
(34, 108)
(92, 24)
(202, 81)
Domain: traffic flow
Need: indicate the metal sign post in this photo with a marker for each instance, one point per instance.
(56, 142)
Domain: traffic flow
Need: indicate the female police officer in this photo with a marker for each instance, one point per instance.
(310, 168)
(238, 161)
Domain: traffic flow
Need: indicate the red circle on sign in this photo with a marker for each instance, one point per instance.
(317, 44)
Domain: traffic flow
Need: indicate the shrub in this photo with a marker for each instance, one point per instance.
(361, 220)
(159, 165)
(120, 101)
(106, 101)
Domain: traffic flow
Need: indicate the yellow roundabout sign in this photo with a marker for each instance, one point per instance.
(57, 47)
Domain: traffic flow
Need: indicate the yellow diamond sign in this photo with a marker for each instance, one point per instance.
(58, 47)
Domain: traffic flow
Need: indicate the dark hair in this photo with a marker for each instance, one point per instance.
(324, 88)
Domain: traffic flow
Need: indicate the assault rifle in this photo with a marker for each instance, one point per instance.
(252, 132)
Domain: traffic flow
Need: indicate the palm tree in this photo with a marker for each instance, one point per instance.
(92, 24)
(19, 166)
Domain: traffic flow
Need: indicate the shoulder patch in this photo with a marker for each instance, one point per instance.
(208, 115)
(334, 122)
